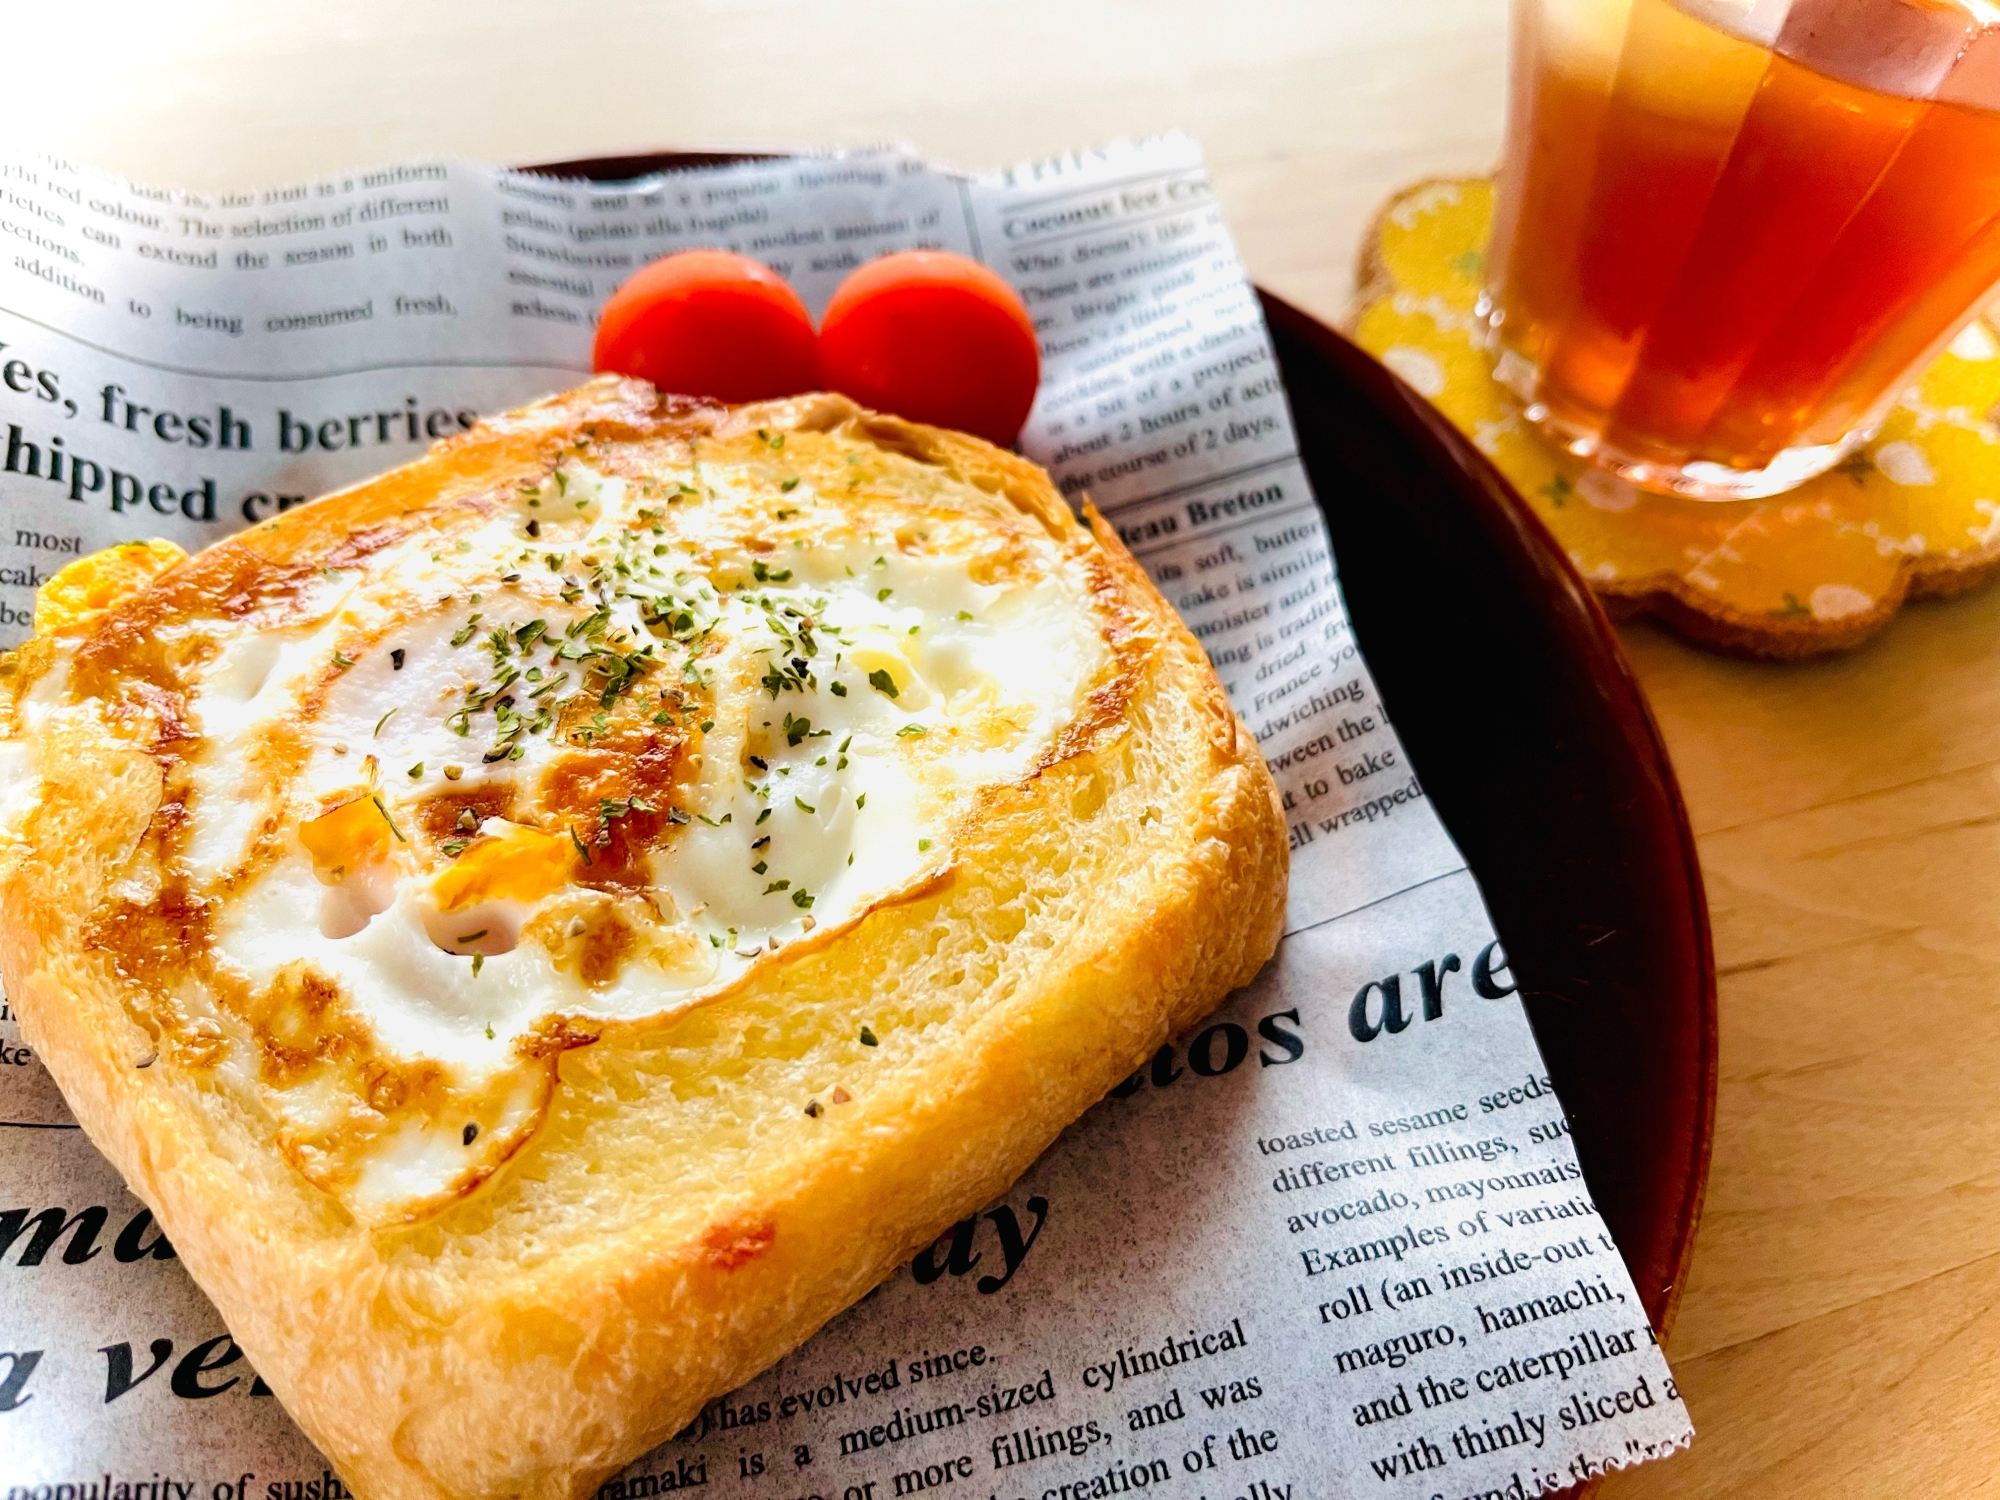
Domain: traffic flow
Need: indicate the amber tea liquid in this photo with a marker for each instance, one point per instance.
(1727, 232)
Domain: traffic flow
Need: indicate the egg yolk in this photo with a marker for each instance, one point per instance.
(511, 864)
(354, 835)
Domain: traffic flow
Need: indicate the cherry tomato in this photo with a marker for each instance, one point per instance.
(709, 323)
(936, 338)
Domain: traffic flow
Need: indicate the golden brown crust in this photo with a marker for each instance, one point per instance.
(587, 1302)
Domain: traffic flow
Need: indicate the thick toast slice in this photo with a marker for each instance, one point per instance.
(547, 928)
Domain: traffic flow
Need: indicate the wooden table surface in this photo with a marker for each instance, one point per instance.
(1841, 1328)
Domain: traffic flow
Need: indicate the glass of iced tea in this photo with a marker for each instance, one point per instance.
(1728, 231)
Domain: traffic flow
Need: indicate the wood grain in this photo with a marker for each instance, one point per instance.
(1841, 1329)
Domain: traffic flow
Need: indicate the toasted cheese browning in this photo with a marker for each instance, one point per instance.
(651, 711)
(92, 584)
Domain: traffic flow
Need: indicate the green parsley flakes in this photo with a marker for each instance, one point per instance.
(383, 808)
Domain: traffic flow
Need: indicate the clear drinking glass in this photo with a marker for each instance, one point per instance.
(1728, 231)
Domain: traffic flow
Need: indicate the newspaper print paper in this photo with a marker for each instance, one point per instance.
(1333, 1242)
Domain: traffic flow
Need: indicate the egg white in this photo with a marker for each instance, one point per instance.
(972, 684)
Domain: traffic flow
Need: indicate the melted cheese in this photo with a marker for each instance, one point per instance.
(21, 782)
(94, 583)
(702, 716)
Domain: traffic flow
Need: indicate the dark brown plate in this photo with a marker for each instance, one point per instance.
(1532, 737)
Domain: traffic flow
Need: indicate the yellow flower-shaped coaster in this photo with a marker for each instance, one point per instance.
(1821, 568)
